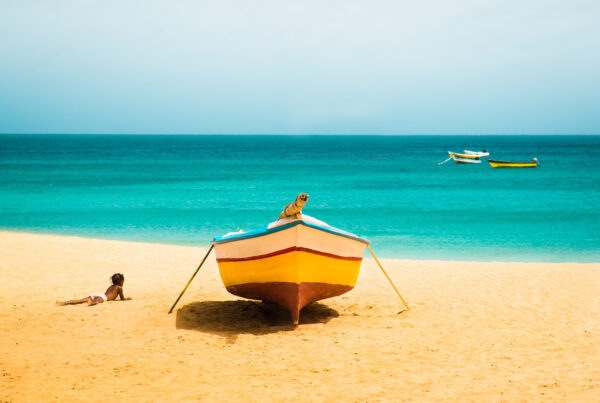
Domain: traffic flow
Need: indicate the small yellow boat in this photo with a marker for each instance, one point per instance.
(292, 262)
(513, 164)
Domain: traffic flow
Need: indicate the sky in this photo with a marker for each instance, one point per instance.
(302, 67)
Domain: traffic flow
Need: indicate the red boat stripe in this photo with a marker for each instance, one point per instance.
(292, 249)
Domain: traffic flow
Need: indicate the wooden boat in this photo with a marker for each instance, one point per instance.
(513, 164)
(294, 261)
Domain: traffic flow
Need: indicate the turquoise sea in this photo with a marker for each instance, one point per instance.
(187, 189)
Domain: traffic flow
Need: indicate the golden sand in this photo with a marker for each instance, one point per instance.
(475, 331)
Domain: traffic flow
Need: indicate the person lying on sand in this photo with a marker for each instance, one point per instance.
(110, 295)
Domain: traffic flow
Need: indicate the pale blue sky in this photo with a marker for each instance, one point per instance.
(303, 67)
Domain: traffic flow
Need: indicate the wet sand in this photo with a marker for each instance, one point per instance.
(475, 331)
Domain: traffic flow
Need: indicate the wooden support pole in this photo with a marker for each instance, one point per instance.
(194, 275)
(388, 277)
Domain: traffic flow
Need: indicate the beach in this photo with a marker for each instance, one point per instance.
(475, 331)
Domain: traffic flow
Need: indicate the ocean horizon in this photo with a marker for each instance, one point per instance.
(187, 189)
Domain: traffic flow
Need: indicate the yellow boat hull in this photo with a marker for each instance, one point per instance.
(292, 265)
(460, 155)
(512, 164)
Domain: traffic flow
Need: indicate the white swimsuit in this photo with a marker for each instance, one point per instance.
(103, 296)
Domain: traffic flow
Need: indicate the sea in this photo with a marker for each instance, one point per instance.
(187, 189)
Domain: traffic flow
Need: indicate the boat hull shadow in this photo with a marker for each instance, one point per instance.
(291, 296)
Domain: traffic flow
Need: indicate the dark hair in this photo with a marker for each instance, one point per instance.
(117, 279)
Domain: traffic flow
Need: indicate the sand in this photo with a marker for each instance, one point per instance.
(475, 331)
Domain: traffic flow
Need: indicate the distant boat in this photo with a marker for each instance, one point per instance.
(469, 160)
(466, 157)
(462, 155)
(292, 262)
(469, 154)
(513, 164)
(483, 153)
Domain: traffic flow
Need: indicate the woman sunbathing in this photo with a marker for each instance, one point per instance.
(116, 289)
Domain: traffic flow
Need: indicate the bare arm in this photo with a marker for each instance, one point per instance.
(121, 295)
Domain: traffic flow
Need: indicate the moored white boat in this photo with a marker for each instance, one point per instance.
(480, 154)
(469, 154)
(460, 160)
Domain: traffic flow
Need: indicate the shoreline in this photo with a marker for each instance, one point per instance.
(481, 332)
(366, 256)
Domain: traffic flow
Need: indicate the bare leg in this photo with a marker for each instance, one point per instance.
(74, 301)
(94, 301)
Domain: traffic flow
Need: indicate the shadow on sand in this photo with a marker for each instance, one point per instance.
(231, 318)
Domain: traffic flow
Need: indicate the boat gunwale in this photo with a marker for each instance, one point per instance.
(266, 231)
(512, 162)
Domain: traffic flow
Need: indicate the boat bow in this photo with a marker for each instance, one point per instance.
(292, 262)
